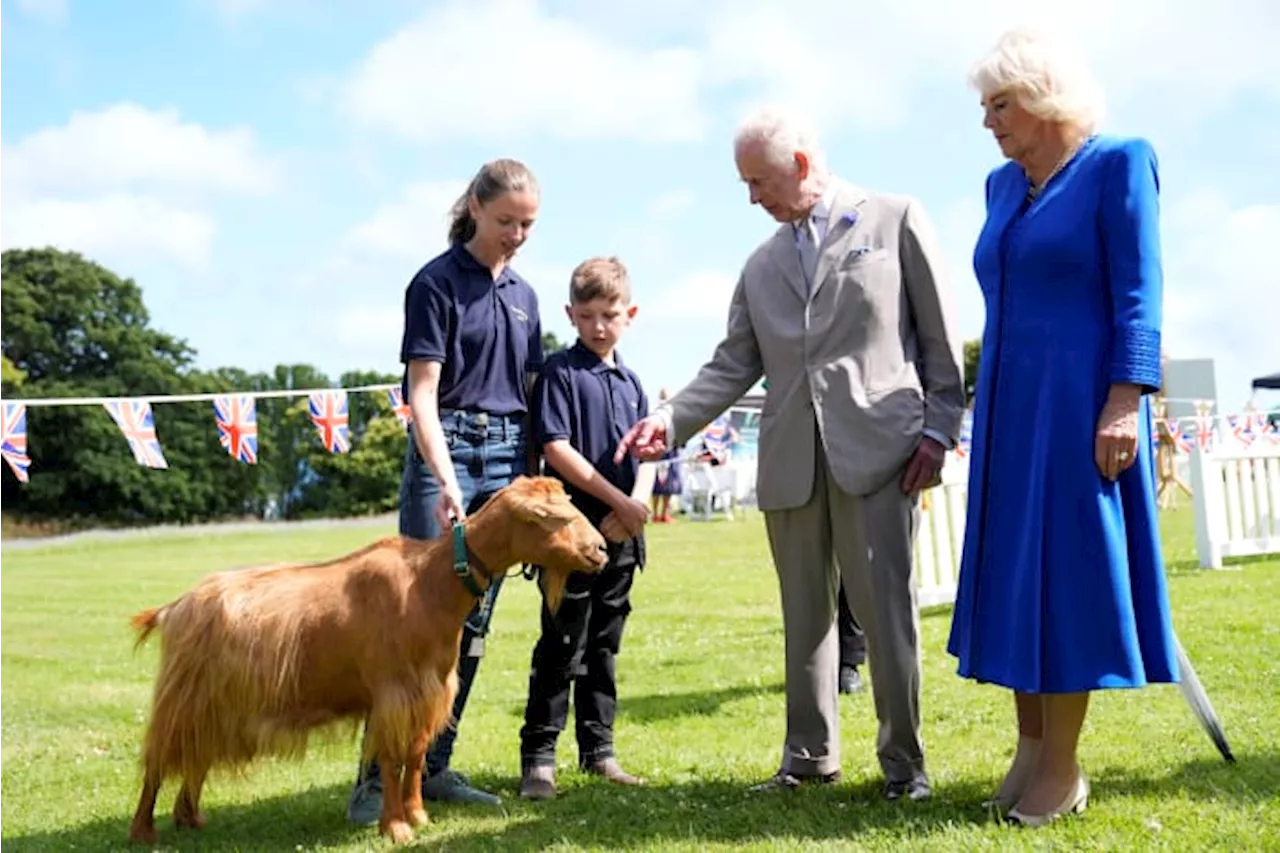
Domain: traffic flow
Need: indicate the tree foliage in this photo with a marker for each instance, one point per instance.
(972, 355)
(72, 328)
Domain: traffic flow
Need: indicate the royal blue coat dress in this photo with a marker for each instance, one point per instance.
(1062, 585)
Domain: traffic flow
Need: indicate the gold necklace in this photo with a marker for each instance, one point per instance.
(1034, 190)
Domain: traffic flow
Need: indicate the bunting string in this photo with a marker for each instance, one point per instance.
(235, 417)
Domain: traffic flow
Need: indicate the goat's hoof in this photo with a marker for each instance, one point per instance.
(399, 831)
(418, 817)
(142, 834)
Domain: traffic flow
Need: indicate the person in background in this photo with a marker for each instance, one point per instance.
(1062, 589)
(472, 347)
(585, 401)
(667, 482)
(853, 645)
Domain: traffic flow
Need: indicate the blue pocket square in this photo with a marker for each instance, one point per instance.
(859, 251)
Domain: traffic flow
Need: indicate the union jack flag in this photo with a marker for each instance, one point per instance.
(1242, 429)
(139, 428)
(1181, 440)
(1204, 431)
(1273, 433)
(329, 414)
(715, 441)
(400, 407)
(13, 439)
(237, 427)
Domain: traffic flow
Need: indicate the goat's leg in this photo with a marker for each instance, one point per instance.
(143, 828)
(414, 809)
(186, 810)
(392, 822)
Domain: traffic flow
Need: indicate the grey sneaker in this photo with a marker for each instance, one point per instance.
(450, 786)
(365, 806)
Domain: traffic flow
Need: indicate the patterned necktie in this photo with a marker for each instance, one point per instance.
(807, 245)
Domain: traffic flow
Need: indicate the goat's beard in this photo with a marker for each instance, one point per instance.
(552, 585)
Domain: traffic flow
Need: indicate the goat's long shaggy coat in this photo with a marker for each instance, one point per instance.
(254, 660)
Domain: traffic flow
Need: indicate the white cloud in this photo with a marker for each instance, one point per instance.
(50, 11)
(671, 204)
(537, 74)
(413, 226)
(117, 185)
(1222, 288)
(866, 68)
(128, 146)
(121, 230)
(702, 296)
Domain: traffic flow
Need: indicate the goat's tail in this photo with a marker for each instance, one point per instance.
(146, 622)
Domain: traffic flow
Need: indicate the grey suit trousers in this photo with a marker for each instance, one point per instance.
(870, 538)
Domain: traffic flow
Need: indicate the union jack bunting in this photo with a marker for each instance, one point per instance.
(715, 441)
(139, 428)
(1241, 427)
(1273, 433)
(1181, 440)
(329, 414)
(1204, 431)
(13, 439)
(400, 407)
(237, 419)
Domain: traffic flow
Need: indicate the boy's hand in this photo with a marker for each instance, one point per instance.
(612, 529)
(632, 515)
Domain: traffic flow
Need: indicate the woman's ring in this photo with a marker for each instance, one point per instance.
(1122, 455)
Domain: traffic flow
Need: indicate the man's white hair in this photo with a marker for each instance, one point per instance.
(1049, 80)
(783, 134)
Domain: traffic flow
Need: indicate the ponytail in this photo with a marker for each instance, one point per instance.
(494, 179)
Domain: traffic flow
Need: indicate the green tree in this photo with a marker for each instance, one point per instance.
(972, 355)
(11, 377)
(74, 328)
(550, 343)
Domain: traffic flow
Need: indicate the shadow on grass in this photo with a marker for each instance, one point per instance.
(670, 706)
(589, 812)
(1253, 778)
(593, 813)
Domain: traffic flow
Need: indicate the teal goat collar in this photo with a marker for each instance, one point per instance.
(463, 560)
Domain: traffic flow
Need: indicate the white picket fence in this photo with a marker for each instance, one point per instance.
(940, 535)
(1236, 494)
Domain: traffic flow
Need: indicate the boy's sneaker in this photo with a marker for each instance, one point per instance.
(450, 786)
(365, 805)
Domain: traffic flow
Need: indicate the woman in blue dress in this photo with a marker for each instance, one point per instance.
(1062, 588)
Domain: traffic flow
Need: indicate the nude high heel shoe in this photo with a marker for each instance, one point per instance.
(1075, 803)
(1024, 763)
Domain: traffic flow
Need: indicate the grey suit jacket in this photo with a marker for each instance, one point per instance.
(871, 354)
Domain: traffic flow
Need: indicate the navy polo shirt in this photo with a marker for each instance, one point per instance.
(581, 399)
(486, 334)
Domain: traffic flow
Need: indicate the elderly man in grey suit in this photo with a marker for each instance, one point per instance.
(845, 312)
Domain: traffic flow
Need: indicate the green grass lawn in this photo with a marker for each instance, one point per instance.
(701, 717)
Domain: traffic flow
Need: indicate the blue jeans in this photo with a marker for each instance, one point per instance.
(488, 452)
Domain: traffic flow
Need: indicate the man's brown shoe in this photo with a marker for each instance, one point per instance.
(538, 783)
(610, 769)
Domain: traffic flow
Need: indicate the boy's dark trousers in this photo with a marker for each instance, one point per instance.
(578, 648)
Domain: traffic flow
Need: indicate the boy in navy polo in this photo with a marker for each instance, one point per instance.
(584, 401)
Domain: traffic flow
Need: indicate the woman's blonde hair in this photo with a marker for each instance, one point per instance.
(1049, 80)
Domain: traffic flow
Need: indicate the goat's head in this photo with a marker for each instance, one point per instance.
(550, 532)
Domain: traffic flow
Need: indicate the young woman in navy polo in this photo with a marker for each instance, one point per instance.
(472, 347)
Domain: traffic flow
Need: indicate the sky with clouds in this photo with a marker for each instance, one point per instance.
(273, 172)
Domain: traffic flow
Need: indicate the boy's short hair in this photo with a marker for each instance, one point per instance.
(599, 278)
